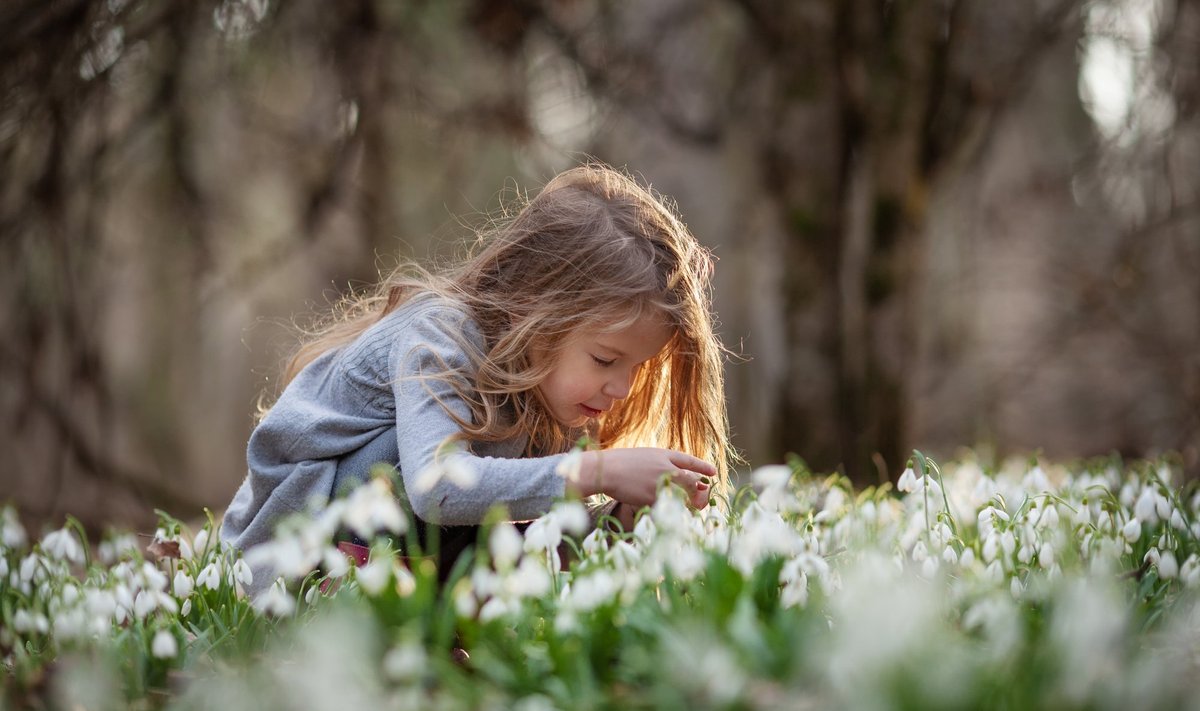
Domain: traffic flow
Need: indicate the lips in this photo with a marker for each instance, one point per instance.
(591, 411)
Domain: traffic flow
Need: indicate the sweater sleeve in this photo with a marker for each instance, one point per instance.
(526, 486)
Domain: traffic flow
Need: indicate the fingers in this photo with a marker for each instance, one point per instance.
(683, 460)
(694, 485)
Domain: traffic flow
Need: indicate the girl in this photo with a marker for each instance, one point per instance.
(587, 314)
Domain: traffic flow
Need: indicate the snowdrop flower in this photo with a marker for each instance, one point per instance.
(530, 579)
(967, 559)
(1190, 572)
(373, 576)
(210, 576)
(242, 574)
(594, 544)
(334, 562)
(144, 604)
(505, 544)
(929, 568)
(1049, 517)
(1132, 530)
(164, 645)
(496, 608)
(186, 609)
(1036, 480)
(644, 530)
(372, 507)
(772, 476)
(570, 465)
(1168, 568)
(1145, 509)
(183, 584)
(453, 468)
(1008, 542)
(200, 542)
(908, 481)
(949, 556)
(31, 568)
(1046, 555)
(1177, 521)
(406, 582)
(465, 604)
(276, 601)
(543, 534)
(405, 662)
(591, 591)
(63, 545)
(12, 533)
(795, 585)
(986, 520)
(571, 516)
(152, 578)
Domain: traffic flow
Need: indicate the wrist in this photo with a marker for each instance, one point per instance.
(587, 481)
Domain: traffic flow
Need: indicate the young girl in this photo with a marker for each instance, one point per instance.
(587, 314)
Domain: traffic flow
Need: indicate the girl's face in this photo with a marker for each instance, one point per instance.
(596, 368)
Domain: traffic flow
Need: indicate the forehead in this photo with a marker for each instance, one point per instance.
(640, 339)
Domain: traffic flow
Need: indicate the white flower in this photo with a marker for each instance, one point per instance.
(404, 662)
(1132, 530)
(1145, 509)
(505, 545)
(200, 542)
(334, 562)
(406, 582)
(63, 545)
(275, 601)
(594, 544)
(373, 576)
(571, 516)
(908, 481)
(164, 645)
(544, 534)
(495, 608)
(183, 584)
(12, 533)
(371, 508)
(570, 465)
(530, 579)
(152, 578)
(1046, 555)
(242, 574)
(1049, 517)
(30, 568)
(772, 476)
(186, 609)
(1168, 568)
(144, 604)
(210, 576)
(454, 468)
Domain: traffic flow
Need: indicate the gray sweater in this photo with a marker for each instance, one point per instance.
(360, 404)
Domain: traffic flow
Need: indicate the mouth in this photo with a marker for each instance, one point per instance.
(590, 411)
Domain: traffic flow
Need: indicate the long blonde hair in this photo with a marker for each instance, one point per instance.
(592, 249)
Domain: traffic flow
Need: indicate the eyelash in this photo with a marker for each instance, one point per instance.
(603, 363)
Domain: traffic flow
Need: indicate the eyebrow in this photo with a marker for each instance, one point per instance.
(618, 351)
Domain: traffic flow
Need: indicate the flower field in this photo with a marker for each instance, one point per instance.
(1030, 586)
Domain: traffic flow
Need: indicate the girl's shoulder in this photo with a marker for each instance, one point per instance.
(426, 318)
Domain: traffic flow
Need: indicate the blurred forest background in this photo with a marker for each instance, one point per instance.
(939, 223)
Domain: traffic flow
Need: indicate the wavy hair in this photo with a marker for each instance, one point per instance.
(593, 249)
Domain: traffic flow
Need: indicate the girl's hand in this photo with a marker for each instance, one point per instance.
(631, 475)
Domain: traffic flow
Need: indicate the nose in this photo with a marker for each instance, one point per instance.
(618, 386)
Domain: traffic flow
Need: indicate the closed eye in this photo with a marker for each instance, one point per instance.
(603, 363)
